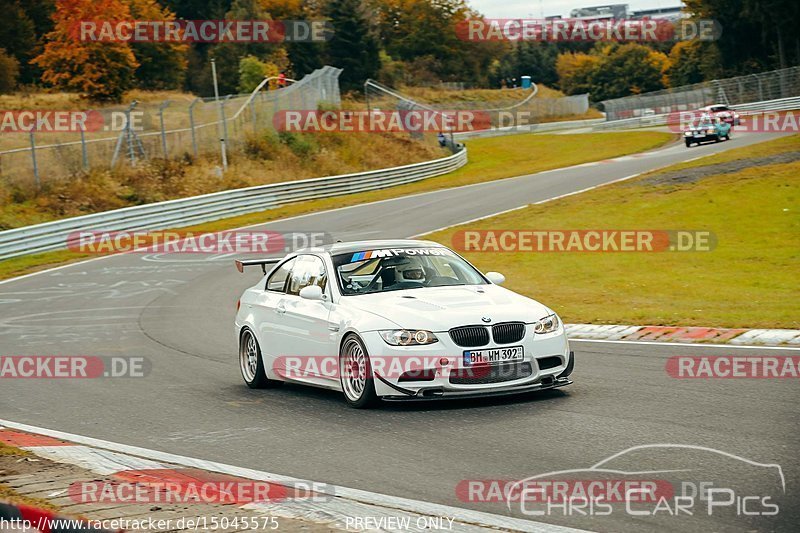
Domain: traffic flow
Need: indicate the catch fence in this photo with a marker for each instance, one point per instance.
(170, 129)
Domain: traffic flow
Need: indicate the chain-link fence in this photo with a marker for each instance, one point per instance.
(772, 85)
(170, 129)
(497, 113)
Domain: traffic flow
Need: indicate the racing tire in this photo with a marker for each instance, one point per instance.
(251, 364)
(688, 144)
(355, 374)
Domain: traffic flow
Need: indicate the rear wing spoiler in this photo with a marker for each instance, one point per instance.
(241, 264)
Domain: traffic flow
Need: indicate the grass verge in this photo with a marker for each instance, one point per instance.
(749, 280)
(490, 159)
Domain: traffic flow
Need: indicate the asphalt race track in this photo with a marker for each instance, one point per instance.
(177, 312)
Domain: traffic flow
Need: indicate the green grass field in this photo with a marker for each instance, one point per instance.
(750, 279)
(490, 159)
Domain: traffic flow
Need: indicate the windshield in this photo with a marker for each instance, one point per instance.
(383, 270)
(703, 123)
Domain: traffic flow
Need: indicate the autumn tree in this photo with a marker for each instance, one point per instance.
(693, 62)
(577, 71)
(99, 70)
(613, 70)
(627, 69)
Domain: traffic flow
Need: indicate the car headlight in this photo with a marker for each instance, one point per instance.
(711, 131)
(408, 337)
(687, 133)
(546, 325)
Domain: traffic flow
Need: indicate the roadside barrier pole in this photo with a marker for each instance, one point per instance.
(191, 124)
(161, 108)
(33, 159)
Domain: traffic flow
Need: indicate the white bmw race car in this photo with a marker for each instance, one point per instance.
(395, 320)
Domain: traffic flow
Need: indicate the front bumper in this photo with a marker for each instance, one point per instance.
(548, 356)
(702, 138)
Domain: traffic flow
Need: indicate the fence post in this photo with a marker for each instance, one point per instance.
(225, 124)
(84, 151)
(191, 124)
(124, 133)
(129, 132)
(221, 116)
(33, 159)
(161, 108)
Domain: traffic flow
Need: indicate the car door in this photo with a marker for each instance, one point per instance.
(308, 337)
(265, 310)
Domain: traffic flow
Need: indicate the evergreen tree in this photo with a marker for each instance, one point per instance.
(18, 38)
(162, 65)
(352, 47)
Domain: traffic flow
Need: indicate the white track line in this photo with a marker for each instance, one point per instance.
(305, 215)
(546, 200)
(691, 344)
(349, 497)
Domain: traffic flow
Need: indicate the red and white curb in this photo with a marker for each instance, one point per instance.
(741, 337)
(338, 509)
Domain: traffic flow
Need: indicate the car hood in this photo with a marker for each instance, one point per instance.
(442, 308)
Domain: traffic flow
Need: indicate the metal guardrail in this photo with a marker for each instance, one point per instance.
(531, 128)
(781, 104)
(187, 211)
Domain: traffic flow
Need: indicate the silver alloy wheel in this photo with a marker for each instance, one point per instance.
(353, 368)
(248, 356)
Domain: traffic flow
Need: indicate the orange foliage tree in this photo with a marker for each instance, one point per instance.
(99, 70)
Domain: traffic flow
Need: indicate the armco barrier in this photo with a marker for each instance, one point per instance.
(208, 207)
(529, 128)
(782, 104)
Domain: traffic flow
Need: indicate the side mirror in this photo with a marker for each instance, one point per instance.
(312, 292)
(496, 277)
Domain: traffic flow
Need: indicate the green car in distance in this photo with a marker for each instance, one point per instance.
(707, 129)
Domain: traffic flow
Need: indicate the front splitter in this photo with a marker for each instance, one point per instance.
(457, 395)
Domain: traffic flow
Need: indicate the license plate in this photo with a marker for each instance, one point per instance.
(493, 355)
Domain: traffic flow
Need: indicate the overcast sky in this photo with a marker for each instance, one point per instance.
(535, 8)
